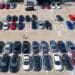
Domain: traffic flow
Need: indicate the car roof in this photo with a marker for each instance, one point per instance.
(56, 57)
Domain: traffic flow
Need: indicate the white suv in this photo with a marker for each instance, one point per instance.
(26, 62)
(57, 62)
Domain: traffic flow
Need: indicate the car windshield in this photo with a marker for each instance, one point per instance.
(57, 62)
(26, 62)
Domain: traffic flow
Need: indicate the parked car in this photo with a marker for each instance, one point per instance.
(0, 64)
(7, 5)
(53, 6)
(34, 17)
(21, 18)
(48, 25)
(59, 18)
(62, 47)
(14, 18)
(53, 46)
(20, 26)
(40, 24)
(71, 17)
(2, 5)
(27, 18)
(47, 6)
(58, 6)
(1, 46)
(47, 62)
(34, 25)
(13, 5)
(8, 18)
(44, 47)
(57, 62)
(1, 25)
(12, 26)
(70, 26)
(26, 47)
(35, 47)
(30, 8)
(67, 62)
(26, 63)
(37, 63)
(4, 64)
(17, 47)
(73, 58)
(5, 26)
(14, 63)
(8, 47)
(70, 46)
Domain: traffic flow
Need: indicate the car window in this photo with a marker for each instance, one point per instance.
(57, 62)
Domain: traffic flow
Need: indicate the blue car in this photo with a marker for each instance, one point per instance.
(69, 25)
(20, 26)
(21, 18)
(34, 25)
(47, 63)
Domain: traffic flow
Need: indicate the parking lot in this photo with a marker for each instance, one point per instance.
(59, 32)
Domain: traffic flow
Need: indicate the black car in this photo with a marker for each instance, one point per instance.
(67, 62)
(27, 18)
(8, 18)
(48, 25)
(30, 8)
(26, 47)
(14, 18)
(14, 63)
(34, 24)
(37, 63)
(17, 47)
(34, 17)
(4, 65)
(62, 47)
(59, 18)
(44, 47)
(1, 25)
(1, 46)
(35, 47)
(47, 62)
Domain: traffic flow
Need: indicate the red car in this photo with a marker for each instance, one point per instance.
(47, 6)
(2, 5)
(7, 6)
(12, 26)
(73, 58)
(72, 17)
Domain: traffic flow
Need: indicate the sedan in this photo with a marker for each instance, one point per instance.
(26, 63)
(17, 47)
(7, 47)
(1, 46)
(20, 26)
(8, 18)
(5, 26)
(53, 46)
(14, 18)
(57, 62)
(14, 63)
(2, 5)
(67, 62)
(12, 26)
(62, 47)
(44, 47)
(37, 63)
(26, 47)
(21, 18)
(47, 63)
(7, 6)
(35, 47)
(1, 25)
(5, 63)
(70, 46)
(12, 5)
(70, 26)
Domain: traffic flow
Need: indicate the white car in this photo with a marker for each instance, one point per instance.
(7, 47)
(26, 62)
(53, 6)
(5, 26)
(58, 6)
(57, 62)
(41, 24)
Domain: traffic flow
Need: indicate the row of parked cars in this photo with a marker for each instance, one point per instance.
(36, 47)
(8, 5)
(36, 62)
